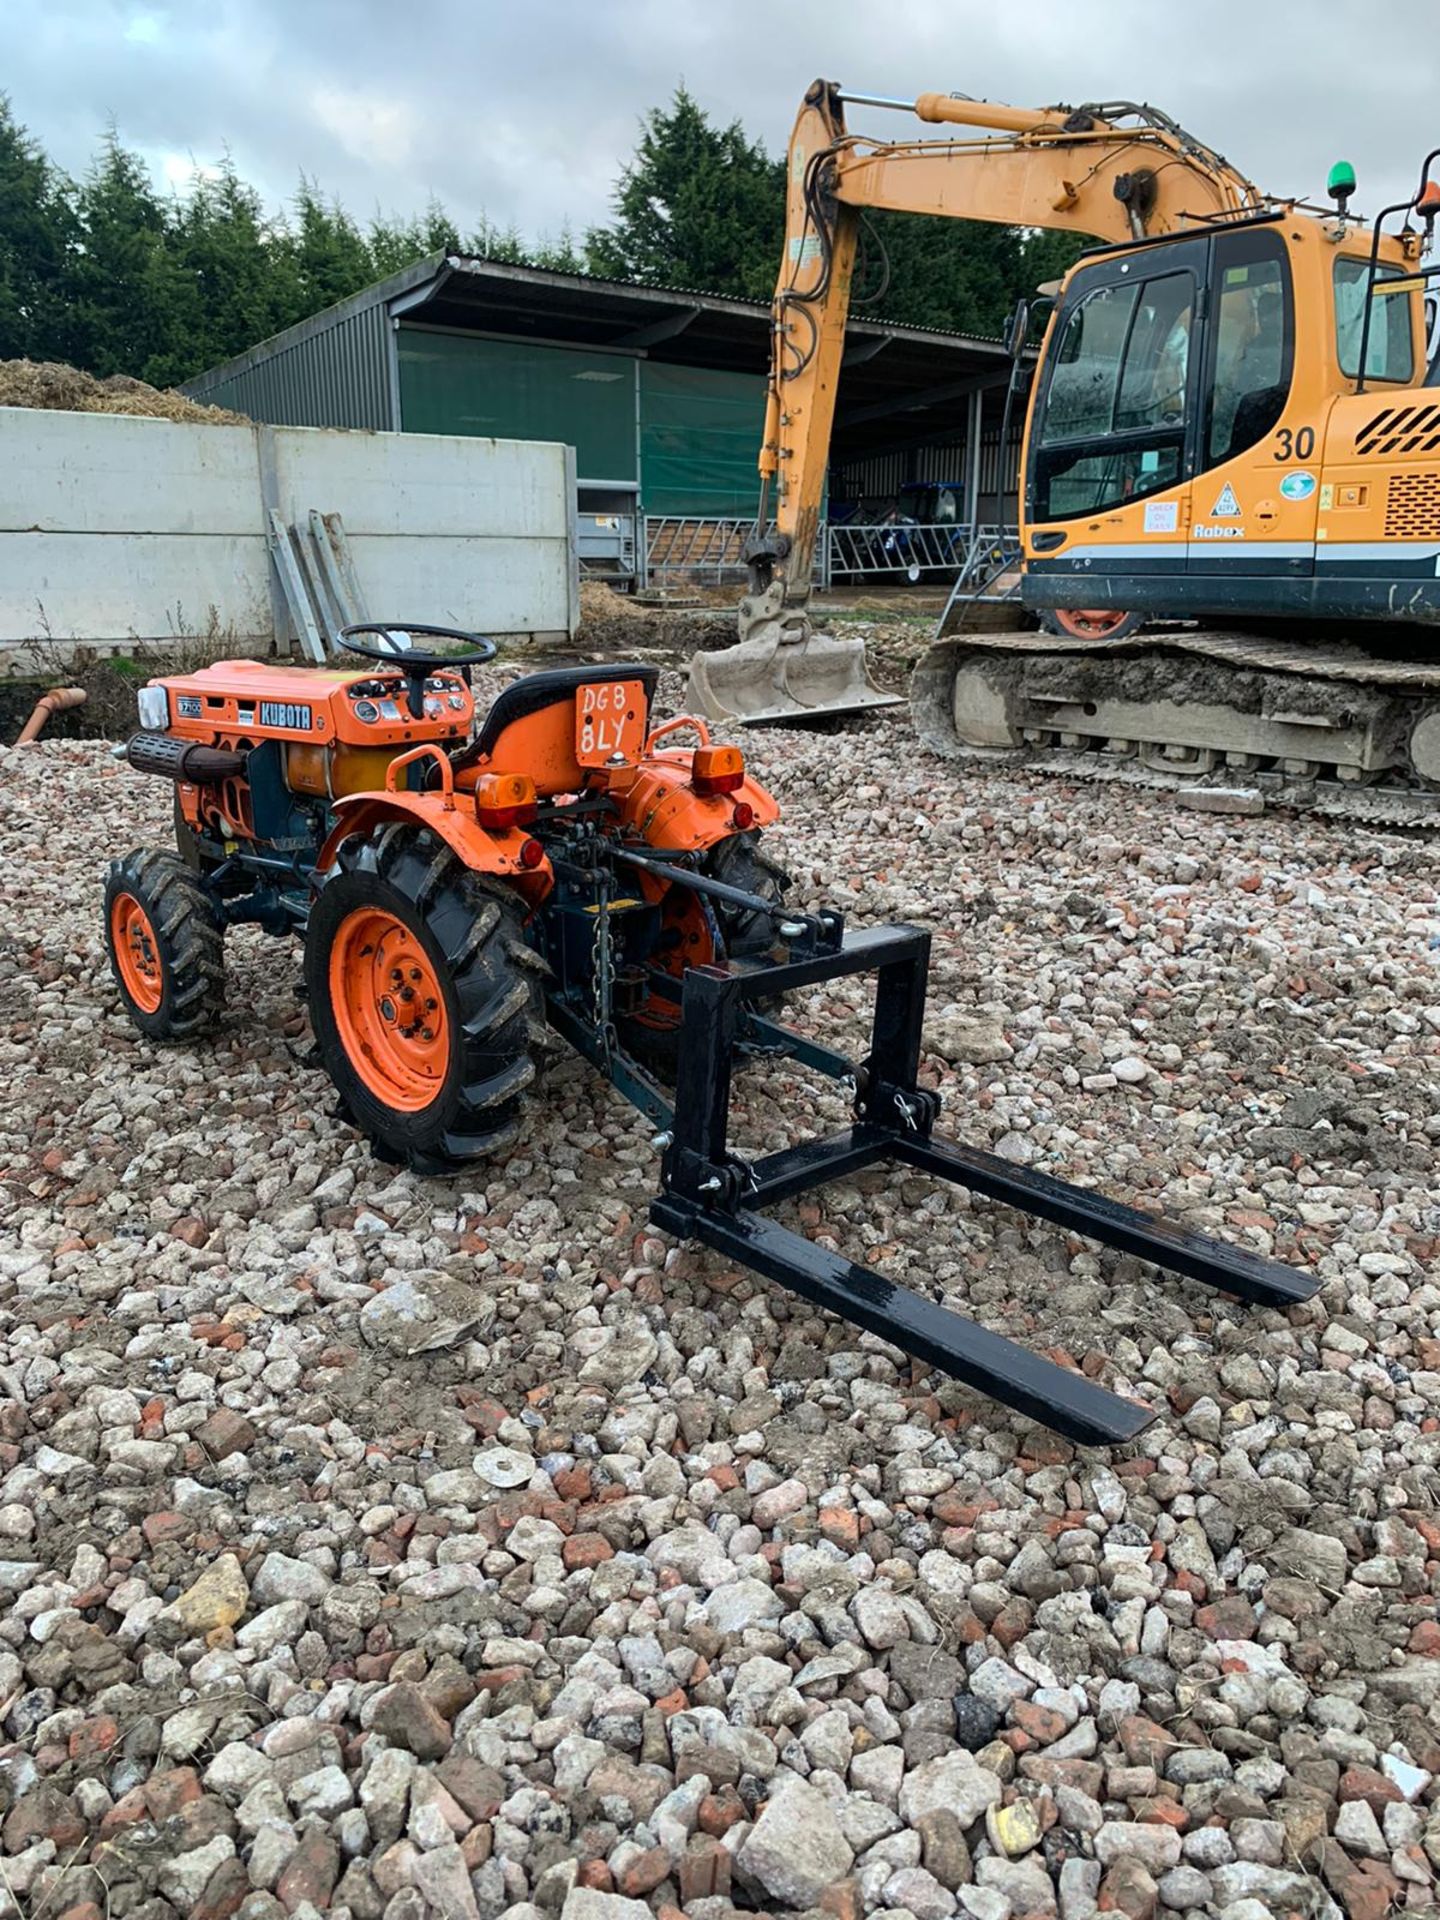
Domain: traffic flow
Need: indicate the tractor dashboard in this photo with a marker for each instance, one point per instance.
(238, 701)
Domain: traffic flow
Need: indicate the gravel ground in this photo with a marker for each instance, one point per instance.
(377, 1547)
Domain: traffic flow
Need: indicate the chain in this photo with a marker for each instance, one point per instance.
(603, 973)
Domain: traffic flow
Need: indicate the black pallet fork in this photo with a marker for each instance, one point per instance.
(710, 1195)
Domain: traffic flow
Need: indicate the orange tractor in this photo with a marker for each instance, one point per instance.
(568, 867)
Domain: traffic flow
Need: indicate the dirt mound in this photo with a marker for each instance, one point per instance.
(618, 624)
(600, 602)
(50, 383)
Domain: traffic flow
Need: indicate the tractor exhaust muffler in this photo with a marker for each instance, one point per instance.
(185, 760)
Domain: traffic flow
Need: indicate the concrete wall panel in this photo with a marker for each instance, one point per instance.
(486, 586)
(140, 587)
(103, 473)
(442, 485)
(115, 530)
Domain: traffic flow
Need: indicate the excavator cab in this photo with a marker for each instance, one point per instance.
(1229, 472)
(1195, 439)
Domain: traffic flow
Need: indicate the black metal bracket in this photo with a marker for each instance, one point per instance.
(708, 1194)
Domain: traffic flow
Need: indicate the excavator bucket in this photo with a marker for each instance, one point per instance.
(756, 683)
(781, 672)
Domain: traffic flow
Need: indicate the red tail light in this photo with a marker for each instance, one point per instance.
(531, 854)
(744, 815)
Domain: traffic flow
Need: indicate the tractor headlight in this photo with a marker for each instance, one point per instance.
(154, 706)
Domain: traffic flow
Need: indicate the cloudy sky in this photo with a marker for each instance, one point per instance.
(524, 109)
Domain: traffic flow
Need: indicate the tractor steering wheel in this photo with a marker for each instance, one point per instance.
(417, 666)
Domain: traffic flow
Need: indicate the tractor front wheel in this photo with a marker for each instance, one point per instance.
(425, 1000)
(166, 945)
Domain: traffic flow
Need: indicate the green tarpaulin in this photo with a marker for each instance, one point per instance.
(699, 428)
(699, 439)
(458, 383)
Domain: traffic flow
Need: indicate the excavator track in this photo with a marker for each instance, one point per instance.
(1389, 807)
(1322, 726)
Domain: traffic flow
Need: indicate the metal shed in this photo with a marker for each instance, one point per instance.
(659, 390)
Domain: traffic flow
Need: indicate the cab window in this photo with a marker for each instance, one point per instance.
(1252, 344)
(1157, 358)
(1390, 353)
(1113, 427)
(1081, 405)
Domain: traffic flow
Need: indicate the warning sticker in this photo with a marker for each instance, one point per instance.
(1227, 507)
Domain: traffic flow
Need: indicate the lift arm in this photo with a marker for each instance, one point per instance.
(1117, 172)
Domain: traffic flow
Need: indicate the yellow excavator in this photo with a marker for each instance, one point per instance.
(1230, 490)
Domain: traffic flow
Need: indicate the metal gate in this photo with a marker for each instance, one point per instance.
(711, 550)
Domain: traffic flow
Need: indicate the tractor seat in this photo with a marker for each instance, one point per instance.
(540, 690)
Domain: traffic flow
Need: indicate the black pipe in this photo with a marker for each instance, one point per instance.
(1401, 206)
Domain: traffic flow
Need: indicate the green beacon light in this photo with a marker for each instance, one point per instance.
(1341, 185)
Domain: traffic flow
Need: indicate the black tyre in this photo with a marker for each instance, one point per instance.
(426, 1002)
(739, 862)
(166, 945)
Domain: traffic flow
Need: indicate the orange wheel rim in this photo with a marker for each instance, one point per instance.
(1090, 623)
(389, 1009)
(137, 952)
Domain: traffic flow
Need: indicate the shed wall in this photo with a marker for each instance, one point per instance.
(688, 436)
(338, 376)
(466, 383)
(700, 431)
(880, 477)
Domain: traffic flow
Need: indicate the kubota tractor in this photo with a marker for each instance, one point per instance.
(566, 867)
(439, 880)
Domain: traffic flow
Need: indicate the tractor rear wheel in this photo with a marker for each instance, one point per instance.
(166, 945)
(425, 1000)
(653, 1038)
(739, 862)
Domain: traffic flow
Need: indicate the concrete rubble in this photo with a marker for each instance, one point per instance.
(389, 1549)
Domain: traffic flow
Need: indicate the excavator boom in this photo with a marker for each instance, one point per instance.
(1120, 171)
